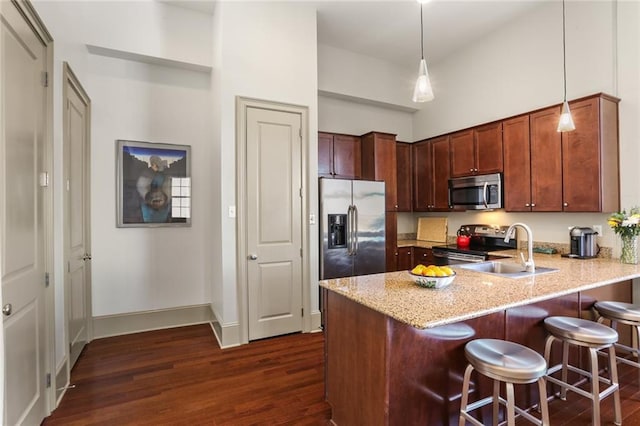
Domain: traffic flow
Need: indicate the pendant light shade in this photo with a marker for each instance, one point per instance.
(566, 121)
(422, 91)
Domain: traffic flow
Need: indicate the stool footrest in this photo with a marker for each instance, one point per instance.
(488, 400)
(606, 392)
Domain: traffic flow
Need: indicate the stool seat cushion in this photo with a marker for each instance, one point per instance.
(619, 311)
(580, 330)
(505, 360)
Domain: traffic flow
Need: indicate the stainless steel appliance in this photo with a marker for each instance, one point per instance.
(583, 243)
(484, 239)
(476, 192)
(352, 222)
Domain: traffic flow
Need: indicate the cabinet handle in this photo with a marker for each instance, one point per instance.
(471, 170)
(526, 205)
(533, 204)
(475, 170)
(565, 204)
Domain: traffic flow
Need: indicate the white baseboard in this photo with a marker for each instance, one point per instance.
(228, 335)
(61, 380)
(136, 322)
(316, 322)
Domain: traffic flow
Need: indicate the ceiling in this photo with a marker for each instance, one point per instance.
(390, 29)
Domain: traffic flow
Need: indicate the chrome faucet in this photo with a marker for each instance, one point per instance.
(527, 264)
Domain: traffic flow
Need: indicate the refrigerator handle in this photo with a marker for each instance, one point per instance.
(349, 230)
(355, 229)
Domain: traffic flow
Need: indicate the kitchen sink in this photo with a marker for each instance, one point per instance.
(507, 270)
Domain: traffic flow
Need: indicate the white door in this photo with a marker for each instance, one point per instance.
(274, 222)
(76, 203)
(23, 63)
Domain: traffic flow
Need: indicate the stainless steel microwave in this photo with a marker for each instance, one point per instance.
(480, 192)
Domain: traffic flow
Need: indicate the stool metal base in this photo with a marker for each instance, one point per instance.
(496, 399)
(595, 395)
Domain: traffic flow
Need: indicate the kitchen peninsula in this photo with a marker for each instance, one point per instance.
(394, 351)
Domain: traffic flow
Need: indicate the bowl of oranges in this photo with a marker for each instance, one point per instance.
(432, 276)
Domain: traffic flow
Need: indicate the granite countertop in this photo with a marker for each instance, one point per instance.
(419, 243)
(473, 294)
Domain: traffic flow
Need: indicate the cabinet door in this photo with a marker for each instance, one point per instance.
(441, 171)
(403, 171)
(546, 161)
(422, 182)
(379, 163)
(346, 157)
(423, 256)
(391, 240)
(581, 172)
(325, 154)
(488, 148)
(405, 259)
(462, 153)
(517, 165)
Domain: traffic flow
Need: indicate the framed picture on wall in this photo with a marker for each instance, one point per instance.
(153, 184)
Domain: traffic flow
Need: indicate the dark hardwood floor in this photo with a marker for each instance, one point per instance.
(181, 377)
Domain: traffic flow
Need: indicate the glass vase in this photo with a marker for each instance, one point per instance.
(629, 249)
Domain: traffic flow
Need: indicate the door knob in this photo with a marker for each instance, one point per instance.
(253, 257)
(6, 309)
(86, 256)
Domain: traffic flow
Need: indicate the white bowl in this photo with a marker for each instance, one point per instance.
(432, 282)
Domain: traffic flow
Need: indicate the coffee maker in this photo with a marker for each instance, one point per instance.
(583, 243)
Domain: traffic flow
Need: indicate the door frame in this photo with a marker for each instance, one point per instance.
(30, 15)
(242, 282)
(71, 82)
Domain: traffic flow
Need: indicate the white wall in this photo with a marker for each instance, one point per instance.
(140, 269)
(365, 78)
(267, 50)
(137, 101)
(355, 118)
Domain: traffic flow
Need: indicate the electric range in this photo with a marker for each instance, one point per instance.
(484, 239)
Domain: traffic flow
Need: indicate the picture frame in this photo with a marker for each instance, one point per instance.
(153, 183)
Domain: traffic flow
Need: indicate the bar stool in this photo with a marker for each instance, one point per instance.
(593, 336)
(623, 313)
(506, 362)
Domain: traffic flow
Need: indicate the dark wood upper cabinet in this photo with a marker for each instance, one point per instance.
(441, 173)
(379, 163)
(431, 172)
(546, 161)
(517, 164)
(339, 156)
(404, 177)
(463, 161)
(488, 148)
(477, 151)
(422, 176)
(590, 169)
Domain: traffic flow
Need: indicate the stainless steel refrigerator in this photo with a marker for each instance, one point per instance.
(352, 221)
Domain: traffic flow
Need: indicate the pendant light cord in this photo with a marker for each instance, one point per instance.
(422, 33)
(564, 53)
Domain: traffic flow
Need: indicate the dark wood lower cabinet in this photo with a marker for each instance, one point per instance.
(380, 371)
(405, 259)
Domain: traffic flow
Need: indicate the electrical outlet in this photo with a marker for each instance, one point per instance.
(598, 229)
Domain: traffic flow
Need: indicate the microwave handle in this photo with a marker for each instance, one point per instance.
(484, 194)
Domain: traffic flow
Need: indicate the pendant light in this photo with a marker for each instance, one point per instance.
(566, 121)
(423, 91)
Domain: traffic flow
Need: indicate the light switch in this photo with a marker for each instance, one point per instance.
(232, 211)
(312, 219)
